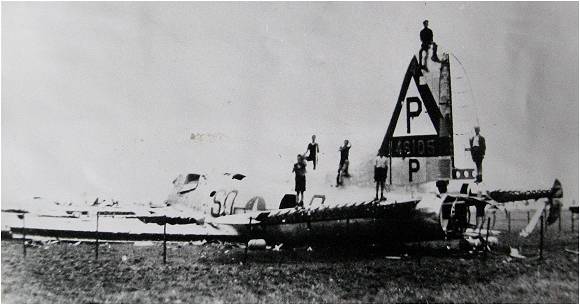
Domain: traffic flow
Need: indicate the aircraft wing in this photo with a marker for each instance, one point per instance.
(170, 220)
(371, 209)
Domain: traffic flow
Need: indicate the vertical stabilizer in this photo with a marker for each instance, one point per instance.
(419, 138)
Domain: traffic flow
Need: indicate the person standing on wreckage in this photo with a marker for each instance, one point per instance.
(380, 174)
(343, 163)
(300, 179)
(477, 149)
(312, 151)
(426, 36)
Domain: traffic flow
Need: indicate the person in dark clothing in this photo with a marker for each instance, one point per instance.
(312, 151)
(479, 215)
(343, 164)
(300, 179)
(477, 149)
(380, 174)
(344, 152)
(426, 36)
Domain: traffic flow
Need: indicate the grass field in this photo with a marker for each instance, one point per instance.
(65, 273)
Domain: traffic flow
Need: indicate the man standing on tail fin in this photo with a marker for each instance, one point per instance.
(312, 151)
(380, 174)
(300, 180)
(426, 36)
(477, 148)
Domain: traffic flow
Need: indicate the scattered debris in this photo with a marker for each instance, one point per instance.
(143, 243)
(474, 242)
(227, 245)
(277, 248)
(571, 251)
(175, 244)
(256, 244)
(515, 253)
(30, 243)
(492, 240)
(393, 257)
(507, 260)
(309, 249)
(77, 243)
(199, 242)
(532, 224)
(124, 258)
(49, 243)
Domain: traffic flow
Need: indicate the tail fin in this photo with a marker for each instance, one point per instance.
(419, 136)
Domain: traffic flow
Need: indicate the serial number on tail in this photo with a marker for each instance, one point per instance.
(420, 146)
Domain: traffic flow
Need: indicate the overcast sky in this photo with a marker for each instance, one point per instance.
(101, 98)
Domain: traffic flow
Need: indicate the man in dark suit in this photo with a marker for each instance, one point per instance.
(477, 148)
(426, 36)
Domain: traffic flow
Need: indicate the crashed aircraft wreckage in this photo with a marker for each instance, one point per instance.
(424, 147)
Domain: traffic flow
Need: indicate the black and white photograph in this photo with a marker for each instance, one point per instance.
(289, 152)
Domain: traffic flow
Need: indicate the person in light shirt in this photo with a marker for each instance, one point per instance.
(477, 148)
(381, 166)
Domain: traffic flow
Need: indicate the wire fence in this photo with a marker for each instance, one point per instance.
(509, 221)
(517, 220)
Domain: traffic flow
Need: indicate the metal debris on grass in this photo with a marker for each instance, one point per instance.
(515, 253)
(143, 243)
(199, 242)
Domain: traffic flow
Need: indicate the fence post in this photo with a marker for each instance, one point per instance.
(560, 220)
(164, 239)
(23, 235)
(528, 216)
(248, 241)
(541, 237)
(487, 237)
(572, 217)
(546, 228)
(509, 217)
(97, 239)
